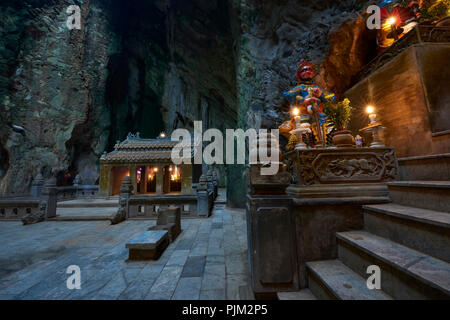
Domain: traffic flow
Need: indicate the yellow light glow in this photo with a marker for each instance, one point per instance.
(296, 112)
(391, 21)
(370, 109)
(155, 169)
(162, 135)
(175, 176)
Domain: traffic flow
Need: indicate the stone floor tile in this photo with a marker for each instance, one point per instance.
(194, 267)
(188, 289)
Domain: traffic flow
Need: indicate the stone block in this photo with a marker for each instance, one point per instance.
(149, 245)
(169, 219)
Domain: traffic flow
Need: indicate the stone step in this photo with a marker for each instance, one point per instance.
(433, 195)
(424, 230)
(405, 273)
(304, 294)
(331, 279)
(432, 167)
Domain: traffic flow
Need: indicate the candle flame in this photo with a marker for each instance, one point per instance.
(370, 109)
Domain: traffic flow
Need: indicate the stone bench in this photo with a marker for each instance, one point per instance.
(149, 245)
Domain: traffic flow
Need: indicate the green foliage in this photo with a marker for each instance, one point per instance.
(339, 114)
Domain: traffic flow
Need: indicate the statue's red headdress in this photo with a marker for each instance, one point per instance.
(303, 64)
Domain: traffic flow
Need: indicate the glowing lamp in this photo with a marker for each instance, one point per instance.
(391, 21)
(375, 128)
(298, 131)
(372, 116)
(155, 169)
(162, 135)
(370, 109)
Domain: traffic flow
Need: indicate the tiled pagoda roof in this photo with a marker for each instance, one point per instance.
(136, 149)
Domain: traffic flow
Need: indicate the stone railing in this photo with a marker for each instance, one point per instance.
(17, 208)
(77, 192)
(148, 206)
(40, 204)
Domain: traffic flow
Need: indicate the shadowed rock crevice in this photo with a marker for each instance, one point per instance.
(4, 161)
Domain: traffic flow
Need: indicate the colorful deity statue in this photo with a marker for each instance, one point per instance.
(309, 98)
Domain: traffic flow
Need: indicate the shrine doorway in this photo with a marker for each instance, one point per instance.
(172, 179)
(150, 174)
(117, 175)
(140, 180)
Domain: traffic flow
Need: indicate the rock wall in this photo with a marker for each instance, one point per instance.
(274, 36)
(52, 85)
(155, 66)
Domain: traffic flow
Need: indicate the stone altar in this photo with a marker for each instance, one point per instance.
(288, 227)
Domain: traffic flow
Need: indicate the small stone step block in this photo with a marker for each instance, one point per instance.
(149, 245)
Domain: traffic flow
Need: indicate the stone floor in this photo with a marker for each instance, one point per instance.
(207, 261)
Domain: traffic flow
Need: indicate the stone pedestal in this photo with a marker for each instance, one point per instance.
(271, 244)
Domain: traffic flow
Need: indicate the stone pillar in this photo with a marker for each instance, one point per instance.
(159, 180)
(209, 179)
(186, 179)
(47, 204)
(104, 188)
(126, 190)
(133, 176)
(36, 186)
(205, 124)
(49, 195)
(270, 226)
(76, 184)
(203, 198)
(216, 183)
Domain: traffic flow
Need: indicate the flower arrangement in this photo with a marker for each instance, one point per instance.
(339, 113)
(437, 10)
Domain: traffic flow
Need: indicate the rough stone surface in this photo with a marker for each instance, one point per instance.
(33, 265)
(154, 66)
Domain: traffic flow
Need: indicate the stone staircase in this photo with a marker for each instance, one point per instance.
(409, 239)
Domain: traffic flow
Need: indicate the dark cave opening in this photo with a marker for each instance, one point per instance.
(134, 86)
(83, 157)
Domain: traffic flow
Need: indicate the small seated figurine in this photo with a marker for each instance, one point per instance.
(308, 97)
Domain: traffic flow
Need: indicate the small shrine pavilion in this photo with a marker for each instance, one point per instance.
(149, 165)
